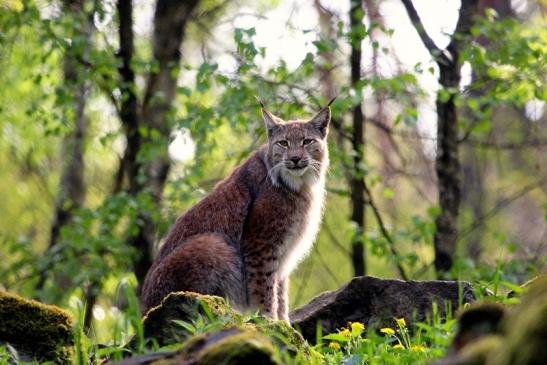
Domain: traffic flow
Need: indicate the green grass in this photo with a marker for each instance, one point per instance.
(401, 343)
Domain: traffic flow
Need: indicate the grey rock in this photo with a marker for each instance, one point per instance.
(376, 302)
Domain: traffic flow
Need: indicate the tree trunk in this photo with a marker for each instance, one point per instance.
(129, 104)
(325, 68)
(447, 164)
(71, 194)
(149, 176)
(357, 143)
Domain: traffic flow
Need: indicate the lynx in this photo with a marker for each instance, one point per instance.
(243, 240)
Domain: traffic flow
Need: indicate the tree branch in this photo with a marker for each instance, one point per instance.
(383, 230)
(326, 266)
(506, 145)
(334, 240)
(500, 205)
(435, 51)
(468, 11)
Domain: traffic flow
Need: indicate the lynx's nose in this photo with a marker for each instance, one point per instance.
(295, 160)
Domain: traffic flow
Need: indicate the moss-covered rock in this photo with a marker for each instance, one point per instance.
(282, 333)
(246, 347)
(160, 322)
(231, 346)
(37, 331)
(519, 339)
(525, 342)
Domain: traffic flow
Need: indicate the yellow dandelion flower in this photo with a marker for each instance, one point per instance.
(417, 348)
(398, 347)
(345, 332)
(388, 331)
(334, 345)
(401, 322)
(357, 327)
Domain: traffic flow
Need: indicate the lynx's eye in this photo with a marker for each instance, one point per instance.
(283, 143)
(307, 141)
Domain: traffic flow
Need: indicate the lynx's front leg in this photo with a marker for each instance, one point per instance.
(262, 287)
(283, 299)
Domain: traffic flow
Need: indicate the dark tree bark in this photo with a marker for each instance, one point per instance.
(356, 183)
(130, 121)
(447, 164)
(328, 30)
(129, 106)
(151, 116)
(71, 194)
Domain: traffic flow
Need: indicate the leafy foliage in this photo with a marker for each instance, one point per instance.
(215, 106)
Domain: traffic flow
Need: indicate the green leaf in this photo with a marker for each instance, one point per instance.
(336, 337)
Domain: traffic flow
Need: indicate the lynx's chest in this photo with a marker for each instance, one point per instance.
(302, 230)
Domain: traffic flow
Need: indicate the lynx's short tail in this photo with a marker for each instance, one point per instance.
(203, 264)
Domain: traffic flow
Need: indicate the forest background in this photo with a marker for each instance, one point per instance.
(117, 116)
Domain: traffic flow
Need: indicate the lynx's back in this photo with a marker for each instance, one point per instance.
(244, 238)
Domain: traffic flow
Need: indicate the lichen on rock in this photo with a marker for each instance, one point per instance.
(37, 331)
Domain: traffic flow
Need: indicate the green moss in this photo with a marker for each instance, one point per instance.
(38, 331)
(231, 346)
(526, 329)
(246, 347)
(186, 306)
(159, 323)
(281, 331)
(195, 302)
(477, 353)
(522, 338)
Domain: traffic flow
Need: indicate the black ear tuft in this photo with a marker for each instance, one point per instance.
(260, 102)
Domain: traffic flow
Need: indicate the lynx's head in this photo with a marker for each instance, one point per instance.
(297, 149)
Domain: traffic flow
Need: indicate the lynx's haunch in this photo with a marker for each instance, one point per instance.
(243, 240)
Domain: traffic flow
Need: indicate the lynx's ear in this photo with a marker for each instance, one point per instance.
(272, 122)
(321, 120)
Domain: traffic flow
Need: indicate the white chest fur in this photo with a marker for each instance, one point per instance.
(302, 234)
